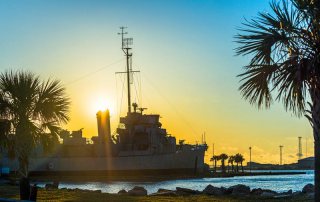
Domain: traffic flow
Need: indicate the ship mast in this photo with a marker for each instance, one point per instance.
(126, 42)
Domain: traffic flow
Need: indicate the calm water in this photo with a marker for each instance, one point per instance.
(277, 183)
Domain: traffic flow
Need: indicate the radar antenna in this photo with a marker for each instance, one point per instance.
(126, 42)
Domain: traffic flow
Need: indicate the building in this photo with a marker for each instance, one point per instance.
(306, 163)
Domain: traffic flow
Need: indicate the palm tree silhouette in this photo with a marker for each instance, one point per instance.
(223, 157)
(32, 108)
(237, 161)
(238, 158)
(231, 161)
(285, 60)
(215, 158)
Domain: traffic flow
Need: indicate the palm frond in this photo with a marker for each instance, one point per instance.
(283, 50)
(255, 86)
(52, 103)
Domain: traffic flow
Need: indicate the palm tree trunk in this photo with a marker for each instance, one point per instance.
(223, 167)
(241, 166)
(317, 171)
(315, 110)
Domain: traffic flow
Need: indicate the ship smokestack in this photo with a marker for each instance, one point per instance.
(103, 121)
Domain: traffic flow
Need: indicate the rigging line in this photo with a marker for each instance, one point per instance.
(93, 72)
(172, 106)
(140, 94)
(119, 94)
(122, 92)
(117, 98)
(135, 88)
(138, 89)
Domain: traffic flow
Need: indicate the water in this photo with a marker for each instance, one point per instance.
(279, 183)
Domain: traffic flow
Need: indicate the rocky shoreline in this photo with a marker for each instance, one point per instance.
(236, 190)
(236, 193)
(239, 190)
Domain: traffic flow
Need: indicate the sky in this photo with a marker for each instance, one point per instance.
(185, 52)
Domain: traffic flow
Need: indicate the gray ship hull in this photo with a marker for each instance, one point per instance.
(183, 162)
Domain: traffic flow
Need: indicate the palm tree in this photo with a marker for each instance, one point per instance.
(215, 158)
(32, 108)
(4, 139)
(284, 46)
(239, 159)
(4, 134)
(223, 157)
(231, 161)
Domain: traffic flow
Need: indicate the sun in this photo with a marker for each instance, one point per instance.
(101, 104)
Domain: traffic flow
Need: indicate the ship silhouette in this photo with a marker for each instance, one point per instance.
(140, 145)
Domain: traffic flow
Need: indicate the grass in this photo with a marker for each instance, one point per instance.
(12, 192)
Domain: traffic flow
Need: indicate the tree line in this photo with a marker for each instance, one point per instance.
(233, 160)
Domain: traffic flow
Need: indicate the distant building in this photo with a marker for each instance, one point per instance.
(269, 166)
(306, 163)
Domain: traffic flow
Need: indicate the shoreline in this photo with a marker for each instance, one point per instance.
(152, 178)
(180, 194)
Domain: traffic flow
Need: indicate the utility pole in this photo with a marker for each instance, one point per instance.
(306, 146)
(213, 155)
(281, 147)
(250, 148)
(299, 148)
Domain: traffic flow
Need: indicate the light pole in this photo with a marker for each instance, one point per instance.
(250, 158)
(281, 147)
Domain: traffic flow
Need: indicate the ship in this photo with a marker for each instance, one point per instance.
(140, 145)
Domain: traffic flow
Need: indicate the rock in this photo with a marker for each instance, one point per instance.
(211, 190)
(163, 190)
(138, 191)
(282, 196)
(309, 188)
(239, 189)
(256, 191)
(85, 190)
(268, 190)
(296, 193)
(267, 194)
(288, 192)
(310, 195)
(51, 186)
(185, 191)
(122, 191)
(165, 193)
